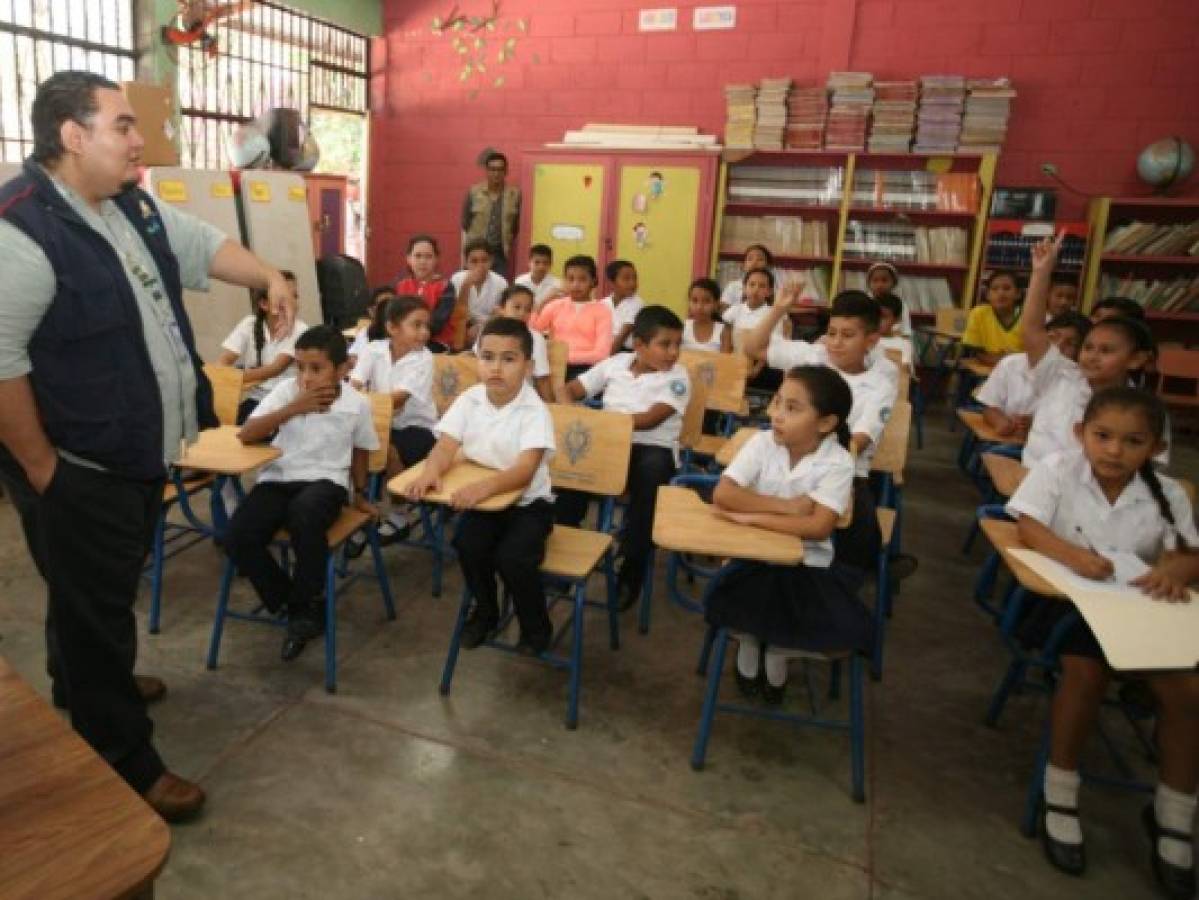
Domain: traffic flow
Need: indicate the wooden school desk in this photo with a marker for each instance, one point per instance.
(733, 445)
(977, 368)
(217, 450)
(984, 432)
(69, 826)
(459, 475)
(684, 523)
(1006, 473)
(1005, 538)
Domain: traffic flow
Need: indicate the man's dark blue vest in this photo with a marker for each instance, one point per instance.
(92, 378)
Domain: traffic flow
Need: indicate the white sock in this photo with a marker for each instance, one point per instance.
(776, 668)
(229, 497)
(749, 654)
(1176, 811)
(1061, 789)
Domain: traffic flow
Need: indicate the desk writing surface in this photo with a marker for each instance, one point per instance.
(1006, 473)
(1005, 538)
(683, 522)
(218, 450)
(460, 474)
(69, 826)
(984, 432)
(733, 445)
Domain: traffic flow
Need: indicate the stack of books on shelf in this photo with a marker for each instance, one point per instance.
(772, 113)
(1153, 239)
(893, 118)
(852, 98)
(786, 186)
(904, 242)
(784, 235)
(915, 190)
(1163, 294)
(807, 110)
(988, 105)
(939, 118)
(1006, 250)
(920, 293)
(740, 117)
(813, 283)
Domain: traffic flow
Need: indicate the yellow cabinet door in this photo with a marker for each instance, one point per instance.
(655, 229)
(568, 209)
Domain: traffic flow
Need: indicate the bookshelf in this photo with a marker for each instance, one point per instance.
(925, 213)
(1009, 246)
(1147, 248)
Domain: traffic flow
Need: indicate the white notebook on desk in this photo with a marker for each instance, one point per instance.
(1135, 631)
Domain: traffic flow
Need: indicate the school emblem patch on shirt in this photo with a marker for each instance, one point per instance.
(678, 387)
(885, 413)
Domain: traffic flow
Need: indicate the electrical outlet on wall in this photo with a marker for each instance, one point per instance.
(1048, 168)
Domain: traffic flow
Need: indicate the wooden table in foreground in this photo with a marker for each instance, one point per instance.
(984, 432)
(70, 828)
(219, 451)
(684, 523)
(461, 474)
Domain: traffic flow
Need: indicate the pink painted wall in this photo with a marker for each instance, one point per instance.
(1097, 80)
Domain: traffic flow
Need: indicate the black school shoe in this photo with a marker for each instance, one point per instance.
(304, 624)
(478, 628)
(1068, 858)
(534, 645)
(771, 695)
(749, 687)
(1177, 882)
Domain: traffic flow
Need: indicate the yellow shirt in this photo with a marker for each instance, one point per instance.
(987, 333)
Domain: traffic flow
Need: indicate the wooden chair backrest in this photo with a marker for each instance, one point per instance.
(693, 415)
(905, 374)
(1177, 365)
(557, 351)
(381, 412)
(723, 374)
(226, 391)
(452, 374)
(952, 319)
(892, 453)
(592, 449)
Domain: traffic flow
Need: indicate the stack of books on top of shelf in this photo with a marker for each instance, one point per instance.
(807, 110)
(893, 118)
(939, 118)
(740, 117)
(988, 105)
(852, 97)
(772, 113)
(1154, 239)
(1166, 294)
(919, 293)
(904, 242)
(799, 186)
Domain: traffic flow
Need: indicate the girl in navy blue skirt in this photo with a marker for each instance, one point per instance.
(797, 479)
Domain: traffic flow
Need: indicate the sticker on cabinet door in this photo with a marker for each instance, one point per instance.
(566, 232)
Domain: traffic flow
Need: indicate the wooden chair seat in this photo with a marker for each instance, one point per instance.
(574, 552)
(348, 521)
(190, 486)
(886, 523)
(709, 444)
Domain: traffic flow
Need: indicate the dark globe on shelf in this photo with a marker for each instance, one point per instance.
(1165, 163)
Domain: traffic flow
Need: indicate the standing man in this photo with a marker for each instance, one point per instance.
(491, 211)
(99, 384)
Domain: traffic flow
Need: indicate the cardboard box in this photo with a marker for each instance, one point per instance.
(154, 107)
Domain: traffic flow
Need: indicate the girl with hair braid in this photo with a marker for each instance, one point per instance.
(1080, 507)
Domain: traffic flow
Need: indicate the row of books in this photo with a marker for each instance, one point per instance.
(1164, 294)
(740, 116)
(1006, 250)
(771, 103)
(813, 283)
(988, 106)
(1154, 239)
(785, 235)
(797, 186)
(851, 97)
(920, 293)
(902, 242)
(807, 113)
(939, 119)
(893, 117)
(916, 190)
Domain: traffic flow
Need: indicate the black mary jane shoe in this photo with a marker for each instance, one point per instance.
(477, 629)
(771, 695)
(1068, 858)
(749, 687)
(301, 628)
(1177, 882)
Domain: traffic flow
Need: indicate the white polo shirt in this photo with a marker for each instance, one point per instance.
(624, 314)
(825, 476)
(541, 355)
(241, 342)
(412, 372)
(1061, 493)
(628, 393)
(742, 318)
(361, 339)
(691, 343)
(1009, 387)
(494, 436)
(318, 446)
(549, 286)
(481, 301)
(873, 390)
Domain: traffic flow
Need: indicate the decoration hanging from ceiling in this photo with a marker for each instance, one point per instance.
(475, 39)
(193, 21)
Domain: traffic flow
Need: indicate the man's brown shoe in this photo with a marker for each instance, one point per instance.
(152, 689)
(174, 798)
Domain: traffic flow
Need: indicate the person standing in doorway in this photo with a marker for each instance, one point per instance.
(100, 384)
(491, 211)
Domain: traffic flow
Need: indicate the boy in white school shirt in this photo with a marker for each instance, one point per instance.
(539, 279)
(326, 433)
(504, 425)
(651, 386)
(476, 288)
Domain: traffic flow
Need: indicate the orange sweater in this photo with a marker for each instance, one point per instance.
(585, 327)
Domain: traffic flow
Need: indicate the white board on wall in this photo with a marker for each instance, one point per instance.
(207, 195)
(275, 208)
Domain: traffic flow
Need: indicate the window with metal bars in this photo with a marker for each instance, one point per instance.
(267, 56)
(41, 37)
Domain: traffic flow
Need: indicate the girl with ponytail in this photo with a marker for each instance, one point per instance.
(797, 478)
(1080, 507)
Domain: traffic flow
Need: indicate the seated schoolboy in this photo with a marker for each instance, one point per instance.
(539, 279)
(476, 289)
(890, 329)
(502, 424)
(993, 327)
(325, 431)
(653, 388)
(1007, 395)
(517, 303)
(1063, 296)
(376, 330)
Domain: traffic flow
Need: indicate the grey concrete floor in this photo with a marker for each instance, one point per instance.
(387, 790)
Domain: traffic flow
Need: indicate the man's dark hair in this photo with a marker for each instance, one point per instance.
(542, 250)
(492, 157)
(856, 305)
(63, 97)
(327, 338)
(512, 328)
(653, 319)
(476, 244)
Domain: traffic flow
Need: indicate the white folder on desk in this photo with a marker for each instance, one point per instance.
(1135, 631)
